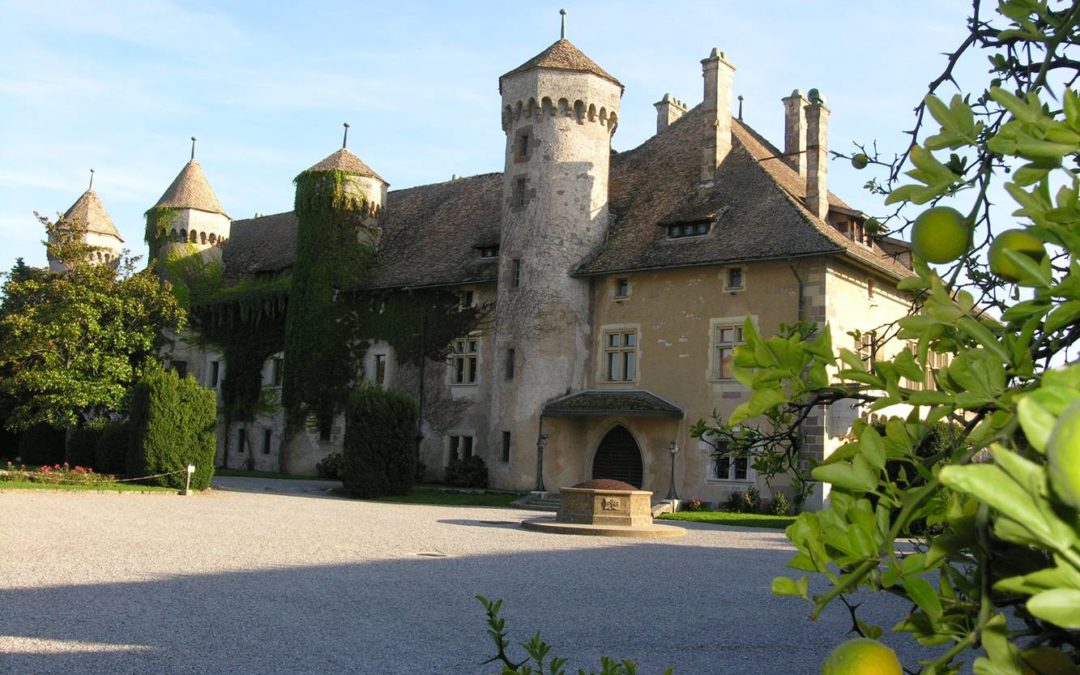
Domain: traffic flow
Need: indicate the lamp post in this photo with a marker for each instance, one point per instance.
(541, 441)
(673, 448)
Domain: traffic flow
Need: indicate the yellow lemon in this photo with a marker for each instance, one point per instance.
(1019, 241)
(940, 235)
(862, 656)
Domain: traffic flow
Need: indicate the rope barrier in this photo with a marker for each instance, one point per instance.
(38, 477)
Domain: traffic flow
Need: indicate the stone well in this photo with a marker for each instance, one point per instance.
(605, 507)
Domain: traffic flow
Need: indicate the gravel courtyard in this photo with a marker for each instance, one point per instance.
(286, 580)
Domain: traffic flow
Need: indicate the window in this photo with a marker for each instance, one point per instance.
(506, 446)
(465, 300)
(687, 230)
(215, 373)
(325, 427)
(517, 199)
(515, 273)
(726, 466)
(509, 369)
(180, 367)
(866, 346)
(463, 360)
(725, 339)
(870, 289)
(461, 447)
(523, 145)
(620, 352)
(935, 363)
(489, 251)
(277, 371)
(622, 288)
(268, 437)
(734, 279)
(380, 370)
(240, 437)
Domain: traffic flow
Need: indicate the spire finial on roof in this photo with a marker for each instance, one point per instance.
(91, 181)
(192, 148)
(562, 32)
(345, 139)
(740, 107)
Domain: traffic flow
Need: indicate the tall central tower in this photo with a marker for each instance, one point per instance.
(559, 111)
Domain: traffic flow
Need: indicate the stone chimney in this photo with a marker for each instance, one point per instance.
(817, 155)
(719, 75)
(668, 109)
(795, 131)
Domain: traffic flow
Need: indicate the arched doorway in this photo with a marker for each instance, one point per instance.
(618, 457)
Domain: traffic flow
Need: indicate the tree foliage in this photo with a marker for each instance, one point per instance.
(73, 343)
(997, 568)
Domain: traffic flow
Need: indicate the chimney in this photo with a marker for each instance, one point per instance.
(668, 109)
(795, 131)
(718, 74)
(817, 155)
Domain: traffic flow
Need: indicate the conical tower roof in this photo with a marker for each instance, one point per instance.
(89, 211)
(191, 190)
(562, 55)
(343, 160)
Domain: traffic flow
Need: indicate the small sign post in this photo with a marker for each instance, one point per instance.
(187, 483)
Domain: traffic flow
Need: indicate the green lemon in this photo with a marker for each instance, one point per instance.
(1047, 661)
(862, 656)
(940, 235)
(860, 161)
(1063, 456)
(1020, 241)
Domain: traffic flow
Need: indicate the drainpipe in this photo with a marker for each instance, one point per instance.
(798, 279)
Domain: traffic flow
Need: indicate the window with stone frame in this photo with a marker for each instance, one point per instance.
(464, 360)
(459, 446)
(725, 337)
(620, 355)
(725, 465)
(734, 279)
(866, 346)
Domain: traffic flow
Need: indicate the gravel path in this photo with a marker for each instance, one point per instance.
(298, 582)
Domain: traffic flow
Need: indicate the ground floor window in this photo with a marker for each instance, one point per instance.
(726, 465)
(461, 447)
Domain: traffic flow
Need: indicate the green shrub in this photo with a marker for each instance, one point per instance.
(470, 472)
(82, 443)
(330, 467)
(379, 452)
(41, 444)
(692, 505)
(172, 426)
(111, 452)
(780, 505)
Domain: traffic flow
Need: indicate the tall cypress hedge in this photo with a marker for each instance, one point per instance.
(172, 425)
(379, 453)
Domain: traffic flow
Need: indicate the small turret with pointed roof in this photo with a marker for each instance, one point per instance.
(89, 214)
(189, 211)
(358, 183)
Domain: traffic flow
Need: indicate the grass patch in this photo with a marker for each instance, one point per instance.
(83, 487)
(437, 497)
(729, 518)
(262, 474)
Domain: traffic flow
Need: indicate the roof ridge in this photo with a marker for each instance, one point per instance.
(191, 190)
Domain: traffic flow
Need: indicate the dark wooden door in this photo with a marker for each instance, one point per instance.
(619, 458)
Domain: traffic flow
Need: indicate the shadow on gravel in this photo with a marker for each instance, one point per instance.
(699, 609)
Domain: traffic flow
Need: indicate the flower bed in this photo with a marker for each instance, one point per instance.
(57, 473)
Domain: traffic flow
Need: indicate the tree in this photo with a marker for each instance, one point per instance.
(73, 343)
(997, 567)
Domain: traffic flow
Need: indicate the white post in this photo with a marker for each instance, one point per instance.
(187, 483)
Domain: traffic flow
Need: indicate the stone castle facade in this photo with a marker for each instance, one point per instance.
(620, 283)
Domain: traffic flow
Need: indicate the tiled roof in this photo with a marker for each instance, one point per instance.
(631, 402)
(262, 244)
(562, 55)
(191, 190)
(343, 160)
(90, 212)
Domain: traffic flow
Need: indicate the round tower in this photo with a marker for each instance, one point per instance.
(357, 189)
(188, 217)
(89, 215)
(559, 111)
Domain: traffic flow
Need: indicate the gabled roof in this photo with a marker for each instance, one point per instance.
(90, 212)
(562, 55)
(629, 402)
(191, 190)
(343, 160)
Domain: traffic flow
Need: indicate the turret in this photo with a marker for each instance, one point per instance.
(559, 111)
(89, 214)
(188, 213)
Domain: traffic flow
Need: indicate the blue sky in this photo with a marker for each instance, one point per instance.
(121, 86)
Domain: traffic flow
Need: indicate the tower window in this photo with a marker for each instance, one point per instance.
(524, 145)
(240, 438)
(518, 197)
(505, 446)
(510, 356)
(489, 251)
(515, 273)
(268, 438)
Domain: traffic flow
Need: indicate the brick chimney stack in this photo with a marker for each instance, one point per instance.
(719, 75)
(817, 155)
(795, 131)
(668, 109)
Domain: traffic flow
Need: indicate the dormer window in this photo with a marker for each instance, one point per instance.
(680, 230)
(489, 251)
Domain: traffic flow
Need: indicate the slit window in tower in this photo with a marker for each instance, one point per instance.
(523, 145)
(518, 198)
(268, 438)
(506, 446)
(510, 354)
(515, 273)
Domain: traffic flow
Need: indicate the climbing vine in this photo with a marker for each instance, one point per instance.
(159, 224)
(330, 260)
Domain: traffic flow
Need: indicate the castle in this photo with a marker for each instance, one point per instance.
(620, 283)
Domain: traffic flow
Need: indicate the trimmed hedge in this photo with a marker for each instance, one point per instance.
(83, 443)
(470, 472)
(110, 455)
(41, 444)
(379, 452)
(172, 425)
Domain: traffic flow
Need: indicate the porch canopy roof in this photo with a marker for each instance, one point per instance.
(629, 402)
